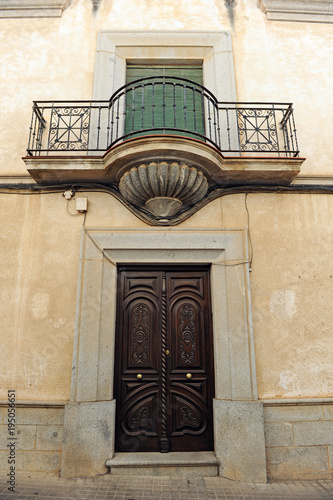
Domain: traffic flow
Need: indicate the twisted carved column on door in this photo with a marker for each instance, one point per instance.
(164, 442)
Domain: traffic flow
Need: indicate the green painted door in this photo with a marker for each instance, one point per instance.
(168, 101)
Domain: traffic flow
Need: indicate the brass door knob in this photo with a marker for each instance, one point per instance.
(188, 375)
(139, 376)
(167, 352)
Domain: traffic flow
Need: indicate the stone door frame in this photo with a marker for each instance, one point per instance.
(90, 416)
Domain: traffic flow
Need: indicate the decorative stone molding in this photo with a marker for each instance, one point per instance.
(33, 8)
(163, 188)
(317, 11)
(213, 49)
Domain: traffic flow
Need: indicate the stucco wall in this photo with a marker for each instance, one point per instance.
(291, 287)
(53, 58)
(290, 235)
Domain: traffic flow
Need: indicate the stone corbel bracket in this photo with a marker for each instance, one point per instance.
(315, 11)
(33, 8)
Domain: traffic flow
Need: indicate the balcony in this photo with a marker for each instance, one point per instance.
(168, 120)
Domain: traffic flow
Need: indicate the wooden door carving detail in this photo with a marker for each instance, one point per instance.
(187, 327)
(164, 366)
(140, 334)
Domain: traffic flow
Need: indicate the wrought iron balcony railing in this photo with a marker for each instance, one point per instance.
(166, 106)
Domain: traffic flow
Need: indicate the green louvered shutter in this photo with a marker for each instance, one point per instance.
(173, 107)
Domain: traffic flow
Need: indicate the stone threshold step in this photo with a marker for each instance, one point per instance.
(201, 463)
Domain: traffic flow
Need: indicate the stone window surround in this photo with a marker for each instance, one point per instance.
(89, 422)
(318, 11)
(212, 49)
(33, 8)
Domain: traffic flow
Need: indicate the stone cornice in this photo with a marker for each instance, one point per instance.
(317, 11)
(32, 8)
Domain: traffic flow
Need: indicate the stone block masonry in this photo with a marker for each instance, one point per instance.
(299, 439)
(39, 432)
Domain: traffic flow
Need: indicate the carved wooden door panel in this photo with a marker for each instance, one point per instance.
(164, 381)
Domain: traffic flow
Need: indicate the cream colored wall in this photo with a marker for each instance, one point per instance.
(40, 244)
(291, 281)
(39, 266)
(45, 59)
(291, 286)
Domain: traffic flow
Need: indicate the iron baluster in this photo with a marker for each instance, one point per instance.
(142, 104)
(238, 129)
(244, 129)
(203, 111)
(228, 128)
(174, 106)
(37, 133)
(218, 126)
(50, 128)
(108, 128)
(32, 131)
(133, 107)
(194, 112)
(286, 115)
(284, 124)
(163, 105)
(275, 129)
(35, 130)
(291, 137)
(112, 123)
(68, 131)
(285, 139)
(295, 148)
(209, 119)
(241, 128)
(184, 106)
(98, 127)
(153, 107)
(41, 125)
(87, 128)
(214, 122)
(256, 129)
(118, 117)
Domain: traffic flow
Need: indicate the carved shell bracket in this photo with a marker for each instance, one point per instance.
(162, 188)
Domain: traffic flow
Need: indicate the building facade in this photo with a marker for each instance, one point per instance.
(166, 240)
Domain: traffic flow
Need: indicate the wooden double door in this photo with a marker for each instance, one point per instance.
(164, 376)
